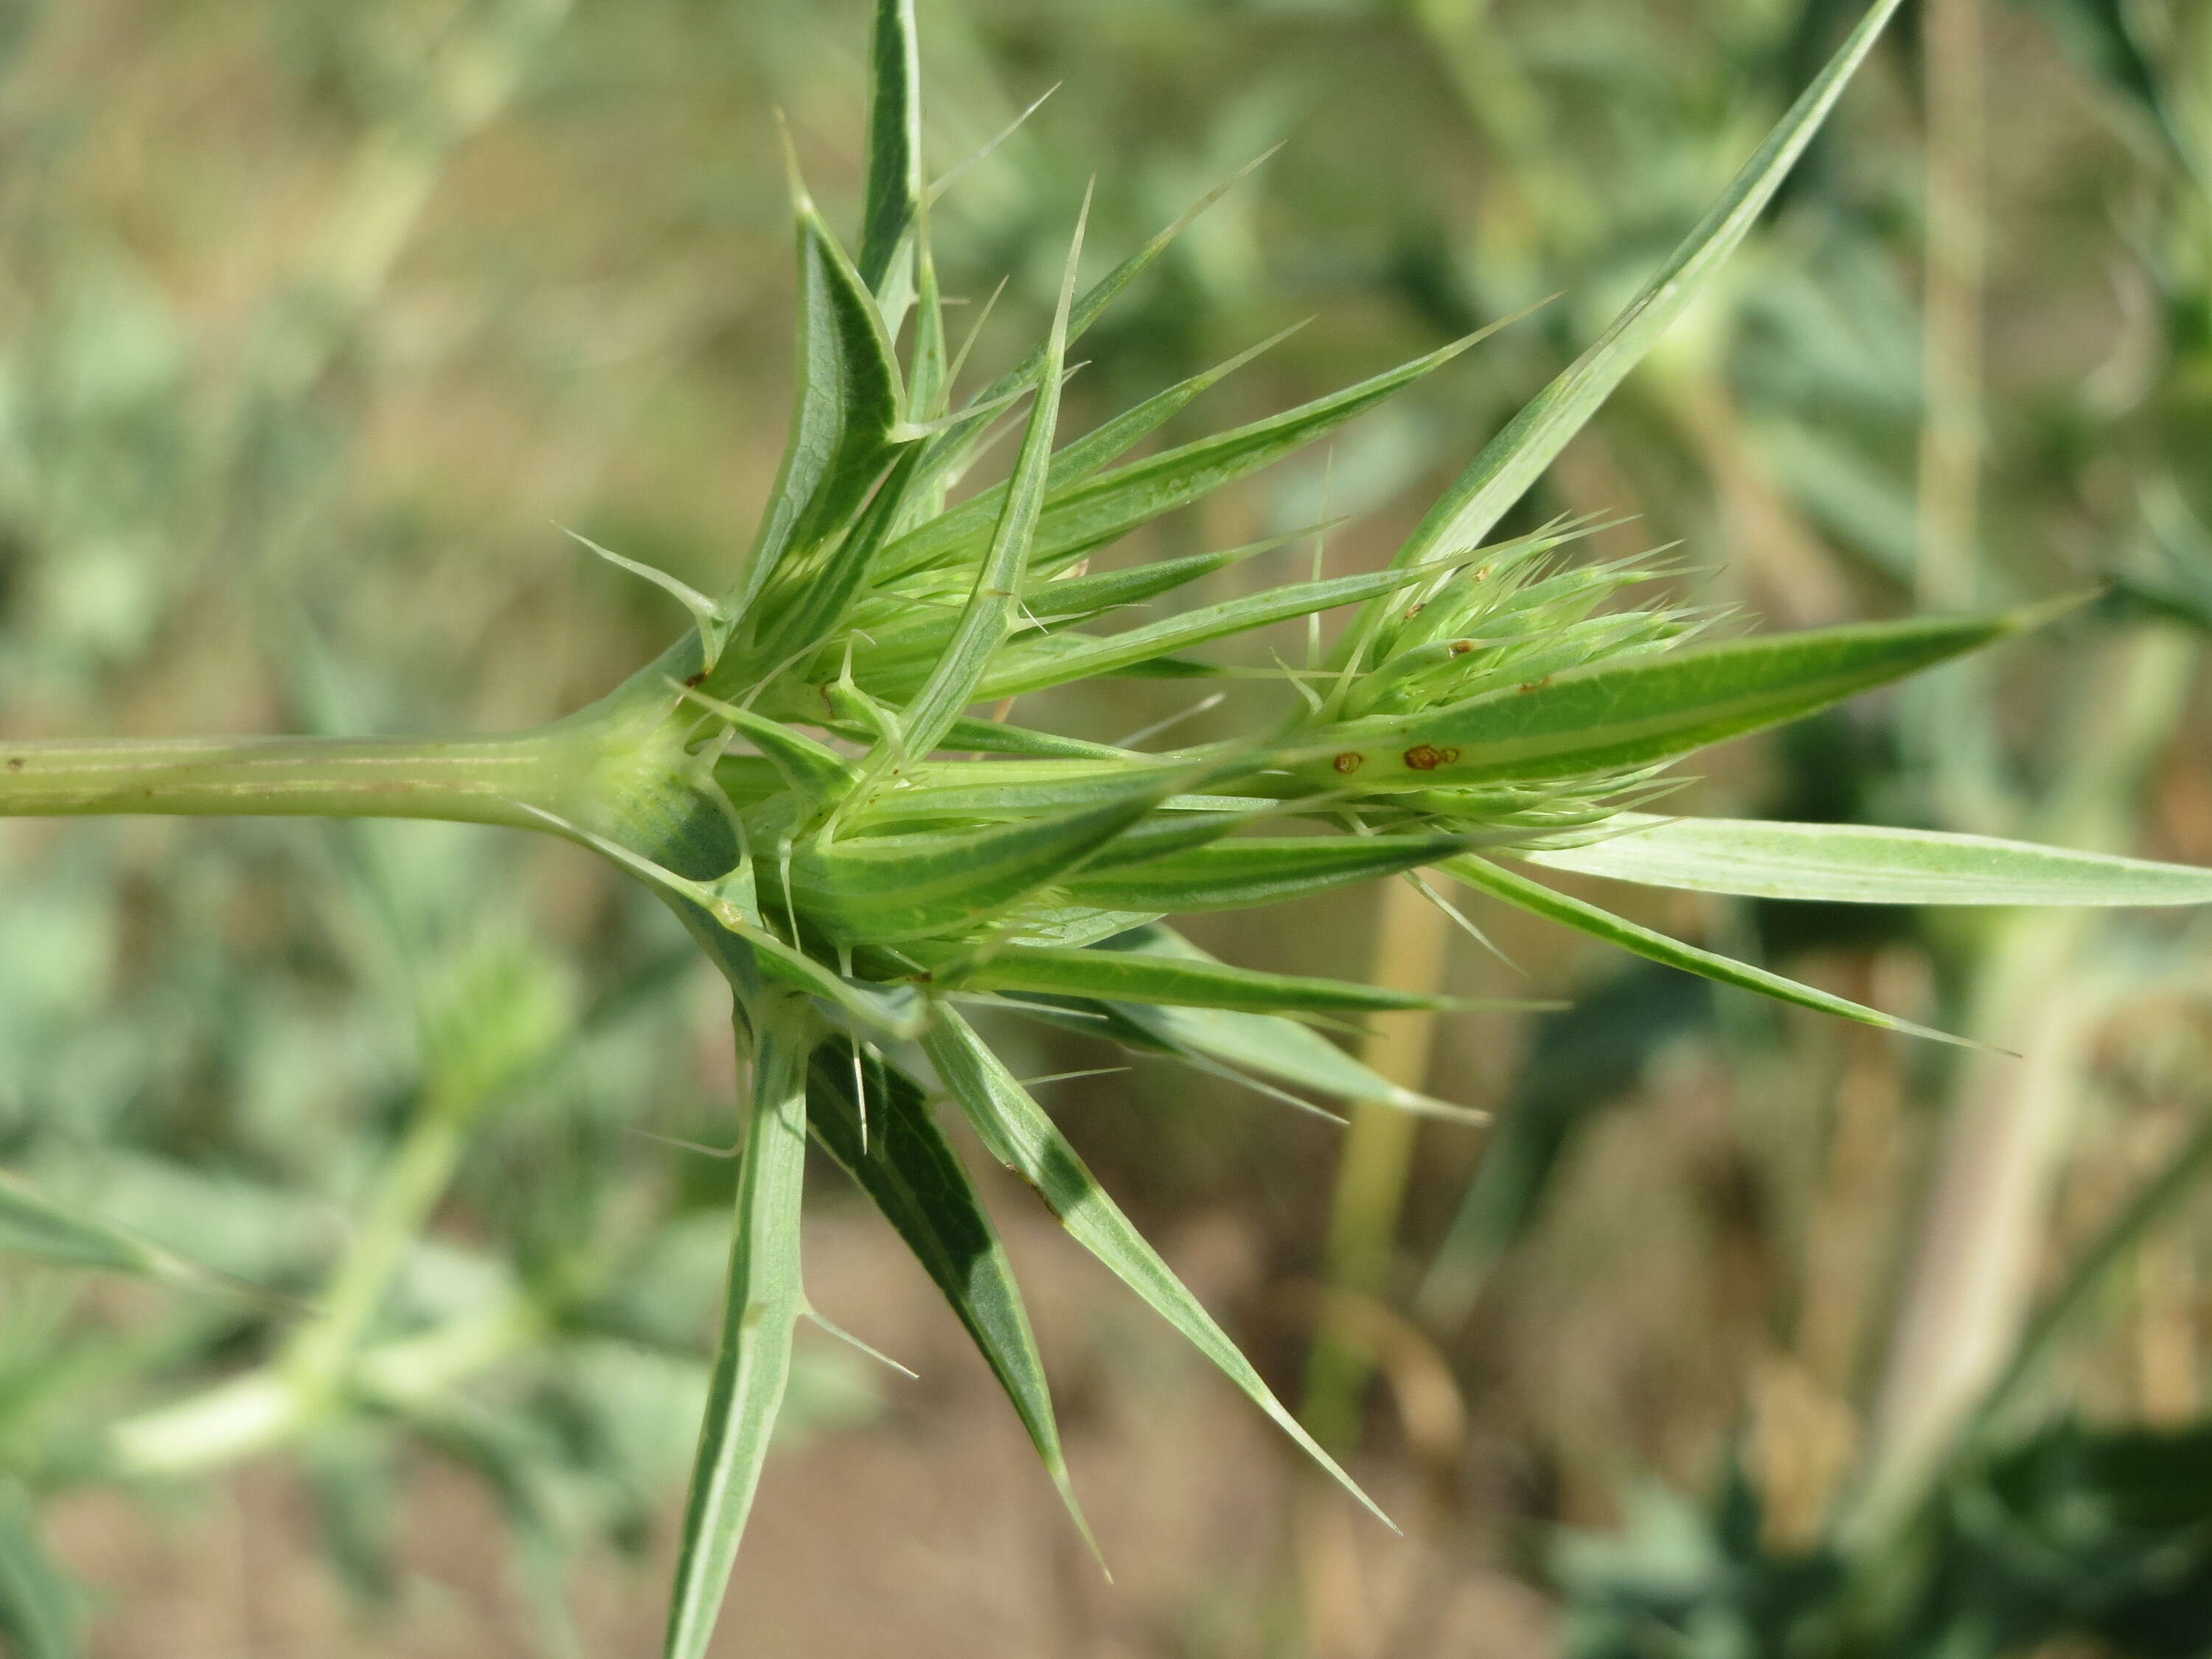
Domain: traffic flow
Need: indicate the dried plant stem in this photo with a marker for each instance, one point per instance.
(1968, 1283)
(1412, 944)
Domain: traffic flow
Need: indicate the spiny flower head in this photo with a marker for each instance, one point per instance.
(828, 780)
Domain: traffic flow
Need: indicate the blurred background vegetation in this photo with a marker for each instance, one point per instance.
(318, 318)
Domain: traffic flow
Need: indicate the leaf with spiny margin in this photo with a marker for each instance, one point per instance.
(911, 1174)
(1610, 716)
(949, 451)
(814, 770)
(1138, 976)
(1510, 462)
(1541, 900)
(988, 614)
(1019, 1134)
(1086, 596)
(845, 412)
(1090, 514)
(1860, 864)
(1008, 789)
(884, 888)
(968, 524)
(36, 1224)
(1033, 663)
(894, 186)
(1172, 832)
(764, 1299)
(822, 595)
(724, 916)
(39, 1617)
(929, 374)
(1273, 1047)
(1233, 875)
(997, 738)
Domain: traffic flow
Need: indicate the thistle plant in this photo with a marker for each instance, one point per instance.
(824, 777)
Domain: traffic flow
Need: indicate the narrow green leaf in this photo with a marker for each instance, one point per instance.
(813, 769)
(968, 524)
(1019, 1135)
(891, 1145)
(948, 452)
(37, 1225)
(1541, 901)
(1137, 976)
(1617, 716)
(37, 1608)
(1510, 462)
(1011, 789)
(1092, 514)
(844, 412)
(823, 592)
(929, 373)
(988, 614)
(894, 186)
(1086, 596)
(884, 888)
(1035, 662)
(1855, 864)
(1273, 1047)
(764, 1300)
(1233, 875)
(997, 738)
(724, 916)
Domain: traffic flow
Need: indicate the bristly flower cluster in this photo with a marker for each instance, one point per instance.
(868, 861)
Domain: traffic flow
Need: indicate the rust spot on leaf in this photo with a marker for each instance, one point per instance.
(1350, 761)
(694, 680)
(1461, 647)
(1535, 685)
(1426, 757)
(1413, 610)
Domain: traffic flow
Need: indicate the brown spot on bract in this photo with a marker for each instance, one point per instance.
(1350, 761)
(1426, 757)
(695, 679)
(1534, 685)
(1461, 647)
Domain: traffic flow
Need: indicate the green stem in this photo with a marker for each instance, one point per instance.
(321, 1351)
(244, 1416)
(466, 780)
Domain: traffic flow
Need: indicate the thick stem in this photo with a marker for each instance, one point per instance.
(322, 1350)
(1985, 1222)
(466, 780)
